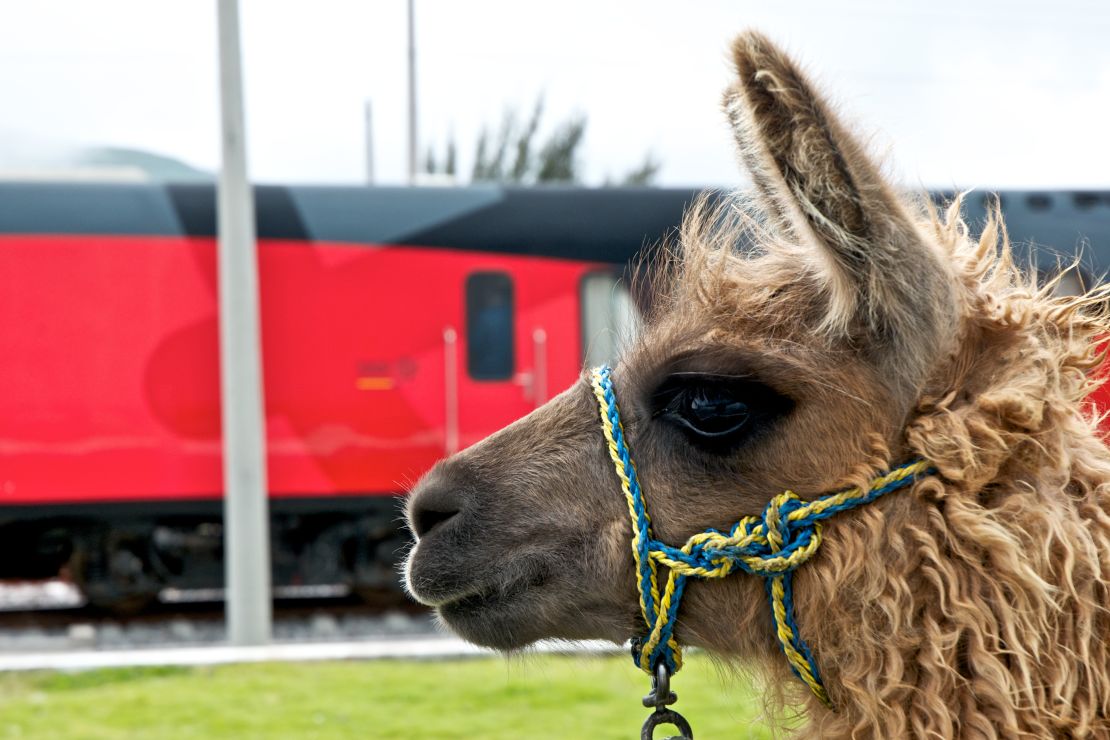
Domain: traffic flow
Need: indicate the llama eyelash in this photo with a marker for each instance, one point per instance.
(717, 412)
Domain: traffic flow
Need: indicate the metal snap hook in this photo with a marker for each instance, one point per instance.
(661, 696)
(666, 717)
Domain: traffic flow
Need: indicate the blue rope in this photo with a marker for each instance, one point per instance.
(772, 546)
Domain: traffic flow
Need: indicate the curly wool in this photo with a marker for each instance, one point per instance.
(975, 605)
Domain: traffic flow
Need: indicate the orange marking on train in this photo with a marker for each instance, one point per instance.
(374, 384)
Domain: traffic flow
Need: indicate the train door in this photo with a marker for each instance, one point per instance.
(491, 359)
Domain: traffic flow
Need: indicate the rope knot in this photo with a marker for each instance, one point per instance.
(789, 537)
(776, 520)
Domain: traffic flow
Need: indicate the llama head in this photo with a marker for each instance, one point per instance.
(805, 340)
(791, 364)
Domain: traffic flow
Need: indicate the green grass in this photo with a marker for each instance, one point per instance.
(533, 697)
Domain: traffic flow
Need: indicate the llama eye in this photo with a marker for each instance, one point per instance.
(716, 411)
(711, 412)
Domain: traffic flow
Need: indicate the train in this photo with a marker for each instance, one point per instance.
(398, 325)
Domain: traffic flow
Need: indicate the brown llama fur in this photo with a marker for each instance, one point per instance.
(976, 604)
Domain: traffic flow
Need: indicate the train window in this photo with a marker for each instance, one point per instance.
(1086, 201)
(489, 326)
(610, 319)
(1038, 201)
(989, 199)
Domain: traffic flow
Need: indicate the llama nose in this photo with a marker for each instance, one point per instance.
(432, 505)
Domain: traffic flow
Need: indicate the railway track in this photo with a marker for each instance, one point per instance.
(62, 622)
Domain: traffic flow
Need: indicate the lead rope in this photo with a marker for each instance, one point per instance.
(772, 546)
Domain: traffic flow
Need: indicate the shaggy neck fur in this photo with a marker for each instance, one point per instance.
(975, 604)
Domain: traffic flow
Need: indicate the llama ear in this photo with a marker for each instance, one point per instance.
(816, 182)
(809, 171)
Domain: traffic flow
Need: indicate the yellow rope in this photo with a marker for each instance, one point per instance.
(772, 546)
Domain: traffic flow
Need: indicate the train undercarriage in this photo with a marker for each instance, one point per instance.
(123, 556)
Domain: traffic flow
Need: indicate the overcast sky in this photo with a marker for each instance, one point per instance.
(979, 94)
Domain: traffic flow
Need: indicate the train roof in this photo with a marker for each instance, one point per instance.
(605, 225)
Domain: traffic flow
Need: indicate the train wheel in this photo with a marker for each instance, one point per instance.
(375, 577)
(115, 576)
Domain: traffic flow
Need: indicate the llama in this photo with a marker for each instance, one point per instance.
(855, 330)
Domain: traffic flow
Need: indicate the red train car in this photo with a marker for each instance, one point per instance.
(395, 328)
(398, 325)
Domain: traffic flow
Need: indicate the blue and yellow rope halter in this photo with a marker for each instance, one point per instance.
(772, 546)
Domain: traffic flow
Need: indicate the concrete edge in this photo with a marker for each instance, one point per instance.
(392, 649)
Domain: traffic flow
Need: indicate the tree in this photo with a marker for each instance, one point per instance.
(514, 155)
(645, 173)
(449, 164)
(557, 161)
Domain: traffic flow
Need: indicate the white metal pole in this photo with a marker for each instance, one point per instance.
(369, 124)
(413, 144)
(246, 516)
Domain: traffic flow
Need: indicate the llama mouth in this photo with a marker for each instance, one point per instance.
(510, 605)
(491, 596)
(446, 588)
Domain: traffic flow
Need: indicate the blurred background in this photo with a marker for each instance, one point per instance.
(982, 94)
(447, 200)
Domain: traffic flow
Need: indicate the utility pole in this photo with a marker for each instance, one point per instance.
(412, 94)
(368, 122)
(246, 516)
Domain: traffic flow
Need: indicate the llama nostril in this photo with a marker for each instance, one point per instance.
(437, 498)
(425, 520)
